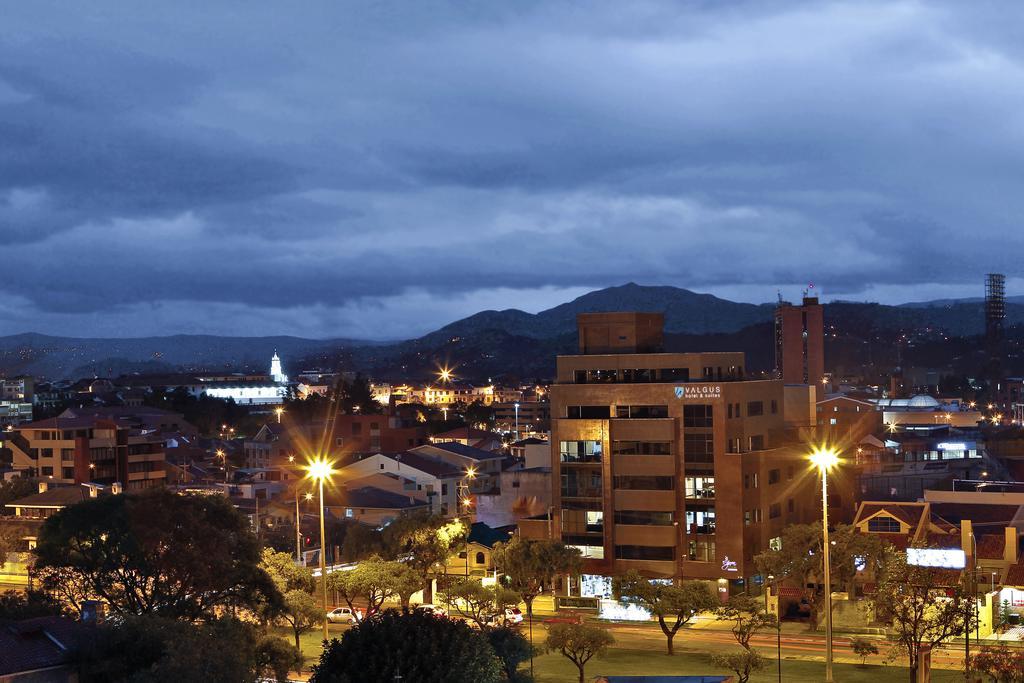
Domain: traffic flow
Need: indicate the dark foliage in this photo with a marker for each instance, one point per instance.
(155, 552)
(419, 647)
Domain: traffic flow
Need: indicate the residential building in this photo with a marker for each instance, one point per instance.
(800, 342)
(844, 419)
(430, 479)
(76, 450)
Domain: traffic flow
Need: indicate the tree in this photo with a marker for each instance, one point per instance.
(423, 541)
(673, 605)
(370, 582)
(477, 602)
(405, 581)
(301, 612)
(863, 648)
(11, 536)
(530, 566)
(16, 488)
(742, 663)
(747, 616)
(275, 658)
(286, 575)
(15, 606)
(579, 643)
(1000, 663)
(419, 647)
(356, 397)
(152, 649)
(512, 649)
(925, 607)
(155, 552)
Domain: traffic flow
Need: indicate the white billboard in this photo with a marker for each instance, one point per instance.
(942, 558)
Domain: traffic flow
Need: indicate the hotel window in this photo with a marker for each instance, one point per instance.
(755, 408)
(775, 406)
(774, 511)
(698, 448)
(674, 374)
(641, 412)
(701, 551)
(833, 421)
(774, 476)
(757, 442)
(698, 415)
(581, 483)
(644, 518)
(729, 413)
(644, 552)
(700, 521)
(746, 518)
(588, 412)
(644, 483)
(580, 451)
(582, 521)
(593, 552)
(47, 471)
(700, 487)
(641, 448)
(790, 506)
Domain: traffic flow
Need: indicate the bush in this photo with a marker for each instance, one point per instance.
(862, 647)
(417, 646)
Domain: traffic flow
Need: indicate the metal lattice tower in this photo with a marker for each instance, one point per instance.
(995, 317)
(995, 306)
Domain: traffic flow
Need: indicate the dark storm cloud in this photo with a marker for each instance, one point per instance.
(379, 168)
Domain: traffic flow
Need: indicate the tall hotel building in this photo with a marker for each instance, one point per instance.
(674, 464)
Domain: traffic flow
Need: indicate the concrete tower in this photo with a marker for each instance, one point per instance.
(276, 373)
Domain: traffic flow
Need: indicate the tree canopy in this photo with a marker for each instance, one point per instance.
(155, 552)
(924, 606)
(579, 643)
(530, 566)
(673, 605)
(152, 649)
(418, 647)
(477, 602)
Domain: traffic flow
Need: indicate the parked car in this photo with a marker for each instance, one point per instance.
(436, 610)
(343, 615)
(510, 617)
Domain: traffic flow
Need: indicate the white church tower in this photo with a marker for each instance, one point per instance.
(276, 373)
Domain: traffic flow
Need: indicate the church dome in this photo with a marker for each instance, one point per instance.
(923, 401)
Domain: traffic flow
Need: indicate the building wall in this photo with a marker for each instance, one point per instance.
(749, 435)
(800, 341)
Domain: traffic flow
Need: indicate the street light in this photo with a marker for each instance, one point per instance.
(279, 411)
(517, 420)
(298, 526)
(778, 624)
(223, 456)
(825, 459)
(320, 470)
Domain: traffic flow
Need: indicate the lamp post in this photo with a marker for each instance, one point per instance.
(825, 459)
(778, 626)
(279, 411)
(517, 420)
(223, 456)
(318, 470)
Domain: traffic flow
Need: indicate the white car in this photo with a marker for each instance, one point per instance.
(436, 610)
(342, 615)
(510, 617)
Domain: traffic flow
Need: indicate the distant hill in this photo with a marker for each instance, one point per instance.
(492, 343)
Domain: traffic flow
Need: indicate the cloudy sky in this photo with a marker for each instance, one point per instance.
(376, 169)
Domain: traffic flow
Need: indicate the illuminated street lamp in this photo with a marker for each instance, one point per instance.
(320, 470)
(825, 459)
(224, 457)
(279, 411)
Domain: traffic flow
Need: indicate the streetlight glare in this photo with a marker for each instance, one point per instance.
(470, 472)
(824, 458)
(320, 469)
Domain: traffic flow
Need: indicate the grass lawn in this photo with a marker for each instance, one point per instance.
(554, 668)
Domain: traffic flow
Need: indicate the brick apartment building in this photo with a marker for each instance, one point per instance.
(673, 464)
(77, 450)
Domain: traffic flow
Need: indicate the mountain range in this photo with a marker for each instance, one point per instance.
(484, 344)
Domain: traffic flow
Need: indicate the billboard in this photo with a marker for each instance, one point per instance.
(942, 558)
